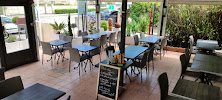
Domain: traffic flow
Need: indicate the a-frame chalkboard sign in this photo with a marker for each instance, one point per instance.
(108, 82)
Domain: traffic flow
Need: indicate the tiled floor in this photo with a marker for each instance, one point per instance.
(83, 87)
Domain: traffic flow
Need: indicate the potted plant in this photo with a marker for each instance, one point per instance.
(69, 27)
(143, 23)
(104, 25)
(58, 27)
(134, 27)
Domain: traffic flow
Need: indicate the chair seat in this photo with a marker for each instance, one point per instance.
(83, 57)
(197, 52)
(140, 58)
(91, 54)
(137, 64)
(54, 51)
(215, 78)
(173, 98)
(189, 65)
(192, 74)
(157, 47)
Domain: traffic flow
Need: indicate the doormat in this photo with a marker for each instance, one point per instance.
(60, 70)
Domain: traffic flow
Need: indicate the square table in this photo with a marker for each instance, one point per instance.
(36, 92)
(194, 90)
(132, 51)
(85, 48)
(207, 44)
(56, 44)
(151, 39)
(207, 64)
(98, 35)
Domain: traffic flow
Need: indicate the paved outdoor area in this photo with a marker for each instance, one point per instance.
(83, 87)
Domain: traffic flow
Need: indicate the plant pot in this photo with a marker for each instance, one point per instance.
(117, 25)
(182, 50)
(58, 32)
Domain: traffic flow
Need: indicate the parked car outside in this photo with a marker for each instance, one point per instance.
(9, 26)
(92, 16)
(108, 11)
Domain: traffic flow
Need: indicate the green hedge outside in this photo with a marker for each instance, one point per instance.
(63, 11)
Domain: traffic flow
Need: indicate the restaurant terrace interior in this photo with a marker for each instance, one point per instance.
(105, 64)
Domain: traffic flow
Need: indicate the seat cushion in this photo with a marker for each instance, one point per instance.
(157, 47)
(91, 54)
(189, 65)
(83, 57)
(192, 74)
(54, 51)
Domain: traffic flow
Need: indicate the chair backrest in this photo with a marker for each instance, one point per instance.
(84, 39)
(68, 38)
(112, 37)
(163, 43)
(46, 48)
(101, 29)
(142, 35)
(103, 40)
(110, 48)
(192, 39)
(119, 36)
(164, 85)
(74, 55)
(184, 63)
(187, 53)
(144, 59)
(61, 36)
(2, 73)
(191, 45)
(150, 55)
(10, 86)
(136, 39)
(94, 31)
(95, 43)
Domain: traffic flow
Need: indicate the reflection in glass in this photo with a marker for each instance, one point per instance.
(15, 30)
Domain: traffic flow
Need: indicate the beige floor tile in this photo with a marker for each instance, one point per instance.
(83, 86)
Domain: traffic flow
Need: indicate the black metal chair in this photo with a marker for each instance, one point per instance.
(84, 40)
(150, 56)
(2, 73)
(142, 63)
(110, 48)
(10, 86)
(164, 88)
(75, 56)
(184, 72)
(136, 39)
(48, 50)
(95, 43)
(161, 47)
(188, 55)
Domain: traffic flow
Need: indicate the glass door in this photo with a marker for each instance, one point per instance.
(17, 36)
